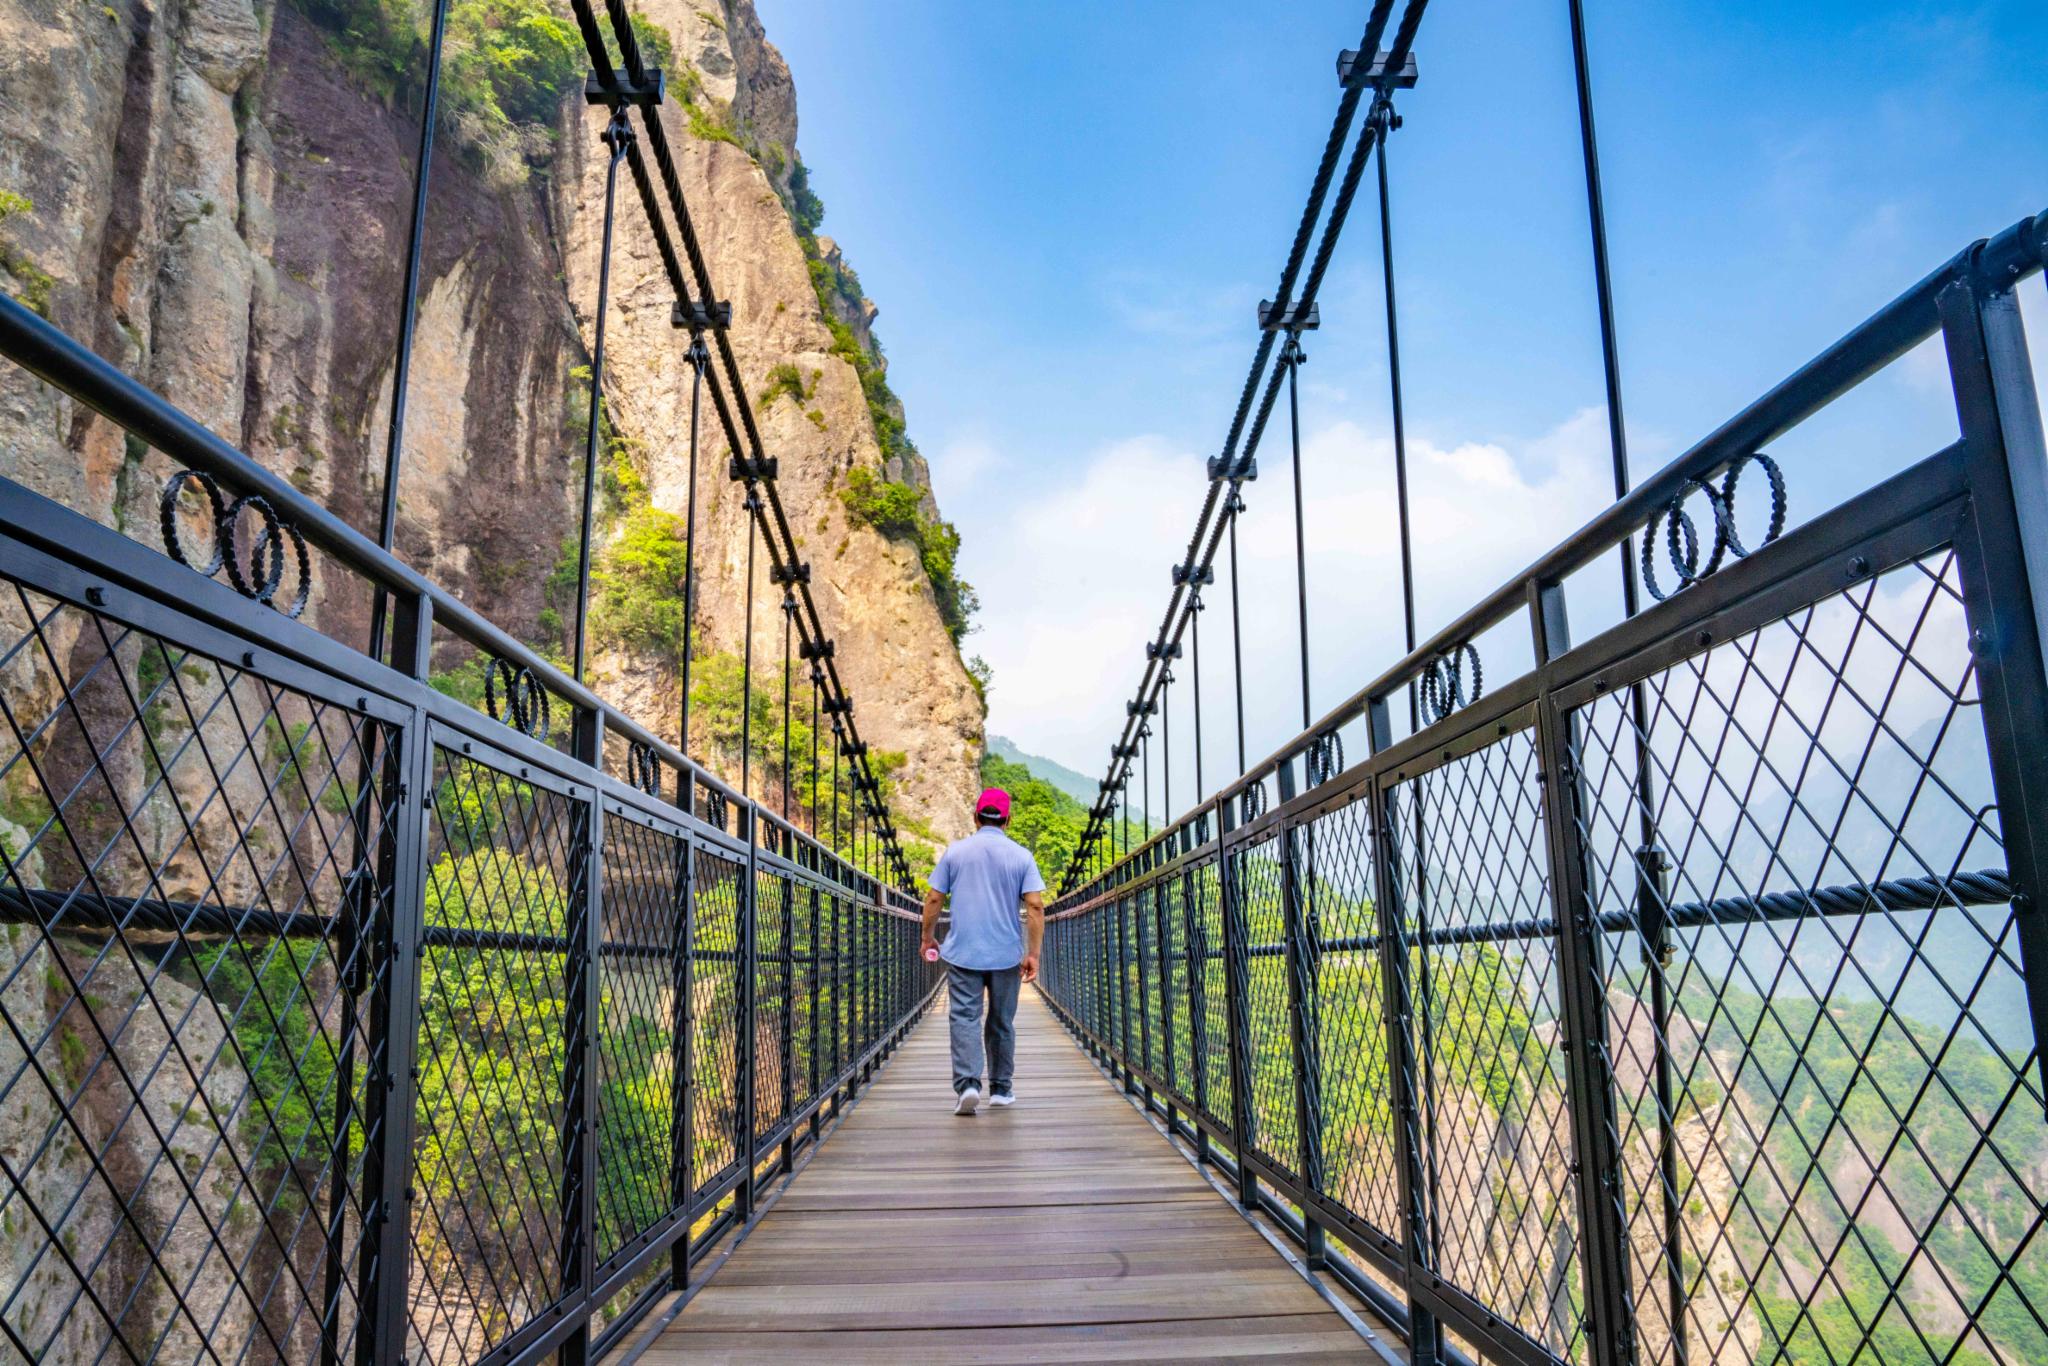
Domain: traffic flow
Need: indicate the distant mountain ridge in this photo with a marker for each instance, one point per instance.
(1081, 789)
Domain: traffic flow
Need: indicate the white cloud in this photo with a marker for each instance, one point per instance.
(1074, 580)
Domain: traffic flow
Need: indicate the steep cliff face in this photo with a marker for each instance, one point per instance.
(216, 194)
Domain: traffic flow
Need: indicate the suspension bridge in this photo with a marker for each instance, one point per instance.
(1665, 990)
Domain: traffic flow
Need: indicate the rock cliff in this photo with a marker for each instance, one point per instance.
(216, 195)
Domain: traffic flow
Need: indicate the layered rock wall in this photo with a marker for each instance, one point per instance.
(215, 195)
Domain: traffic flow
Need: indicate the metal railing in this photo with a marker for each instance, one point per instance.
(1679, 1000)
(341, 1021)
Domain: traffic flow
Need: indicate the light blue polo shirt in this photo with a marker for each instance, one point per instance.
(986, 875)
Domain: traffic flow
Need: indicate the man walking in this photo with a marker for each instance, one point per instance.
(988, 952)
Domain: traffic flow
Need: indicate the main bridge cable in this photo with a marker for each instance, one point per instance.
(1221, 469)
(1229, 471)
(774, 523)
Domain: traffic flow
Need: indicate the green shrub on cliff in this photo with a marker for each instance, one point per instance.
(636, 586)
(896, 510)
(505, 63)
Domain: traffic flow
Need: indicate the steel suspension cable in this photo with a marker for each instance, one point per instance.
(408, 319)
(788, 625)
(695, 357)
(1290, 359)
(1196, 607)
(617, 137)
(747, 663)
(1229, 471)
(700, 308)
(1383, 111)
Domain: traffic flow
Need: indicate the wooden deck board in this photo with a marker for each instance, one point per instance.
(1062, 1228)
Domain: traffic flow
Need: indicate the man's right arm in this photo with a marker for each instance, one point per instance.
(934, 902)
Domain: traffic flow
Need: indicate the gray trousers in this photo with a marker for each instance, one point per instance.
(976, 1028)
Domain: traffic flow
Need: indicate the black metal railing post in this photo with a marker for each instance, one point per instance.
(385, 1252)
(1194, 941)
(2004, 553)
(1236, 993)
(1164, 1066)
(1296, 890)
(815, 987)
(788, 1040)
(1398, 1010)
(749, 1003)
(580, 1022)
(1609, 1321)
(682, 1053)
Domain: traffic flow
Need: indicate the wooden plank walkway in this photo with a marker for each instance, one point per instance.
(1063, 1228)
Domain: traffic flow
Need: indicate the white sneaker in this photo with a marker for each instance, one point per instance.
(1002, 1098)
(967, 1102)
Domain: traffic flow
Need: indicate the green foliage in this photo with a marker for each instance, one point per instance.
(264, 987)
(897, 510)
(636, 587)
(982, 674)
(889, 507)
(36, 284)
(505, 64)
(786, 381)
(492, 1030)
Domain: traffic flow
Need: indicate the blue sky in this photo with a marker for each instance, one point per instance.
(1067, 214)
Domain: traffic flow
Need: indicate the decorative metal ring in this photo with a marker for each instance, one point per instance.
(1775, 477)
(1252, 802)
(643, 768)
(1443, 681)
(167, 514)
(1324, 758)
(525, 706)
(266, 556)
(714, 808)
(1681, 536)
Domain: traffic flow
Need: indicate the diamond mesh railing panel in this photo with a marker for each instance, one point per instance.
(715, 1115)
(1830, 1114)
(1275, 1134)
(1178, 1022)
(1475, 901)
(1208, 908)
(804, 1028)
(1355, 1093)
(643, 912)
(771, 1009)
(1144, 922)
(493, 1048)
(188, 886)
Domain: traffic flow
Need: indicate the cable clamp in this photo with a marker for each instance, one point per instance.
(1153, 650)
(1132, 709)
(1292, 319)
(1353, 72)
(815, 649)
(623, 90)
(696, 315)
(1185, 574)
(739, 468)
(1244, 469)
(791, 573)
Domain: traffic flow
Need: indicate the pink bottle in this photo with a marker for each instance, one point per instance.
(931, 955)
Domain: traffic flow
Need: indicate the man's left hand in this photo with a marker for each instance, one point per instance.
(1030, 966)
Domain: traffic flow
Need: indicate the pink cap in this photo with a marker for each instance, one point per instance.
(993, 801)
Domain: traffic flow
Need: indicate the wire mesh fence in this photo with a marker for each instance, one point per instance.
(1681, 999)
(340, 1022)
